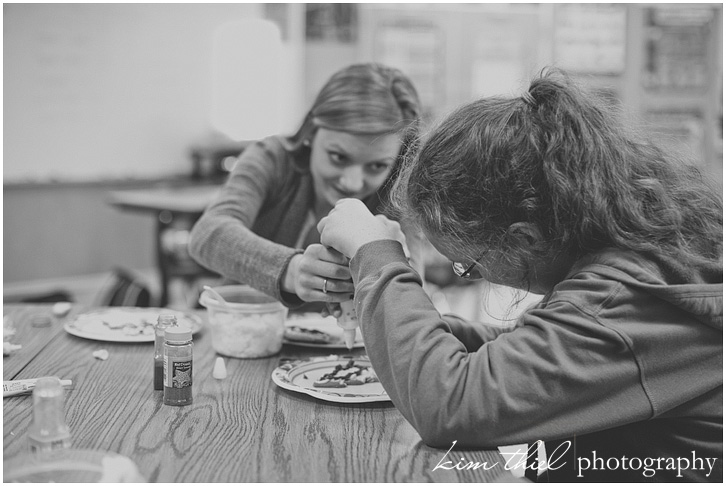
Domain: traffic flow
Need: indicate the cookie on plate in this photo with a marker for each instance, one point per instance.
(305, 335)
(344, 375)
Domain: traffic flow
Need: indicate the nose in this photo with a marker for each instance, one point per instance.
(352, 180)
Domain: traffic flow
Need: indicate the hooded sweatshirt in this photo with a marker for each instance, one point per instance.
(619, 365)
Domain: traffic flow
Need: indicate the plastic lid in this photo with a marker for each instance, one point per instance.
(48, 386)
(178, 334)
(167, 319)
(240, 298)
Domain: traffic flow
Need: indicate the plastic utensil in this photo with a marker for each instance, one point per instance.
(215, 294)
(220, 370)
(348, 321)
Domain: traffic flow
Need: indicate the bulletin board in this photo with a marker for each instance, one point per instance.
(454, 53)
(503, 53)
(590, 38)
(677, 47)
(680, 131)
(331, 22)
(417, 49)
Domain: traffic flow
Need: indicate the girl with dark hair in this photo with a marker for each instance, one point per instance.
(261, 229)
(623, 356)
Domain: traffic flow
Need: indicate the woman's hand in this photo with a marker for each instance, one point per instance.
(350, 225)
(320, 274)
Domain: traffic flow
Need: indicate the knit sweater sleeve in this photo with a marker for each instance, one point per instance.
(494, 388)
(222, 240)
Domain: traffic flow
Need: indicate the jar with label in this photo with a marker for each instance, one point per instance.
(177, 366)
(162, 323)
(48, 430)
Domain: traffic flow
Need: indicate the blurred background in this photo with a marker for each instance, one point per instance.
(121, 120)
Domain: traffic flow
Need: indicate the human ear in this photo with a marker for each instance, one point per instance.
(525, 234)
(308, 135)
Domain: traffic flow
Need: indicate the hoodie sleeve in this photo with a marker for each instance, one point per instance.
(222, 240)
(507, 388)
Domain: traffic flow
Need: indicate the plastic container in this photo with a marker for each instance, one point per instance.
(71, 466)
(48, 430)
(250, 325)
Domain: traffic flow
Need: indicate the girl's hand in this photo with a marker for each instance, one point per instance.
(317, 269)
(350, 225)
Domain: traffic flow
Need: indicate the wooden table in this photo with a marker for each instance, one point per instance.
(240, 429)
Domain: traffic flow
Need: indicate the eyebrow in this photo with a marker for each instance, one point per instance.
(337, 148)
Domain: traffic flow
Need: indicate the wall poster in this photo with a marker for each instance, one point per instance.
(336, 22)
(417, 49)
(590, 38)
(679, 131)
(677, 50)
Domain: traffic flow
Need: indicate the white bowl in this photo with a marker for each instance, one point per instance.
(71, 466)
(250, 325)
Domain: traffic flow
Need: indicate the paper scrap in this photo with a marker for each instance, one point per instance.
(9, 347)
(60, 309)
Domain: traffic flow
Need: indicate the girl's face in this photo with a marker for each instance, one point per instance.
(347, 165)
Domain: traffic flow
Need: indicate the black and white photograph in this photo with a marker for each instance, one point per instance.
(362, 242)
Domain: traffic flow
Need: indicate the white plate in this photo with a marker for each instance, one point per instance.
(105, 324)
(327, 325)
(299, 376)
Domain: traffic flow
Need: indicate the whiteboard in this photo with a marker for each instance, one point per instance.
(105, 91)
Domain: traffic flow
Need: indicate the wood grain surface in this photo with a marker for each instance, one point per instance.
(240, 429)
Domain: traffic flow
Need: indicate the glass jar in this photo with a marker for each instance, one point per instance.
(162, 323)
(177, 366)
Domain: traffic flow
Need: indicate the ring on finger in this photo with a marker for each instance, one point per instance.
(325, 285)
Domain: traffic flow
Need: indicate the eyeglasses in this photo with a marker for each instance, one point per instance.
(469, 272)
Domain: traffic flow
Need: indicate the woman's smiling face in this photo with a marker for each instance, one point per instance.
(348, 165)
